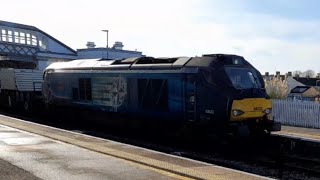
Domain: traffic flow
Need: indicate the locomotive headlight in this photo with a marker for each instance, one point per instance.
(237, 112)
(267, 111)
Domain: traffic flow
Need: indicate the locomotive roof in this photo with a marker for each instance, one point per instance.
(208, 60)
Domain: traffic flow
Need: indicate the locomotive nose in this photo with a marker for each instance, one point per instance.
(251, 108)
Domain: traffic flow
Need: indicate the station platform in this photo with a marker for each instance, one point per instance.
(299, 132)
(33, 151)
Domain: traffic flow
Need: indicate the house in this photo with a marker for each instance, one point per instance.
(22, 43)
(304, 93)
(308, 81)
(292, 81)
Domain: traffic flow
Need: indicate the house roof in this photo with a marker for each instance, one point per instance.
(300, 89)
(308, 81)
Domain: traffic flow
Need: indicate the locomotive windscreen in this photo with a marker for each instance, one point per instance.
(243, 78)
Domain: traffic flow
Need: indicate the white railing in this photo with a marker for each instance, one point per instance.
(296, 113)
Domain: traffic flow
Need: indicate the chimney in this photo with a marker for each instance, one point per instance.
(90, 44)
(118, 45)
(278, 73)
(266, 74)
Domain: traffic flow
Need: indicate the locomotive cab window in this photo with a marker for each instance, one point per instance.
(243, 78)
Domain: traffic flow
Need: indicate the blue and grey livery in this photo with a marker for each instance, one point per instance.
(202, 91)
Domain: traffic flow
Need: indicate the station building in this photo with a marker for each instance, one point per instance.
(25, 51)
(24, 43)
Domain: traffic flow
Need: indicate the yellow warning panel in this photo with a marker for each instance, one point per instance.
(250, 108)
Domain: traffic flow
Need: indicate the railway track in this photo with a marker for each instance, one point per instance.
(272, 158)
(302, 164)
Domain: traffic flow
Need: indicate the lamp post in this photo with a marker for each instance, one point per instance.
(107, 31)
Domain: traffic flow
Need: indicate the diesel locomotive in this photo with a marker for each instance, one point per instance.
(215, 92)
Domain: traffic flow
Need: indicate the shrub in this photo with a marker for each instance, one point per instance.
(277, 88)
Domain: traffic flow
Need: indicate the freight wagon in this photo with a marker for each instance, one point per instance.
(20, 84)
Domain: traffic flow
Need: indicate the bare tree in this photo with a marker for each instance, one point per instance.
(309, 73)
(297, 73)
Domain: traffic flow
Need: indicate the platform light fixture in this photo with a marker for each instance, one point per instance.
(107, 31)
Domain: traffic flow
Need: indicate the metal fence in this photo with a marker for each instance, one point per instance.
(296, 113)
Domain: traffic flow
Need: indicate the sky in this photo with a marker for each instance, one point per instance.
(273, 35)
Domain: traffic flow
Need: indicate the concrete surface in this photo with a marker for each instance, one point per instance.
(9, 171)
(300, 132)
(49, 159)
(60, 154)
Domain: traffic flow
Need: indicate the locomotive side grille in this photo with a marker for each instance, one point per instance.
(153, 93)
(85, 89)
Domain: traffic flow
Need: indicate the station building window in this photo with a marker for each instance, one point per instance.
(10, 37)
(22, 37)
(34, 40)
(16, 37)
(42, 45)
(4, 34)
(28, 40)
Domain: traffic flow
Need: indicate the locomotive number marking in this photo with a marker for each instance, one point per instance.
(257, 109)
